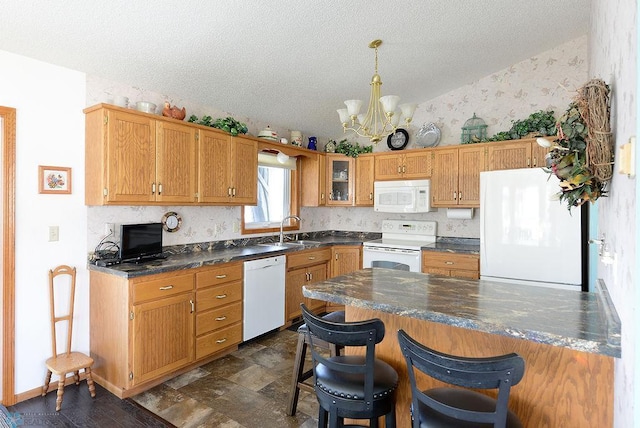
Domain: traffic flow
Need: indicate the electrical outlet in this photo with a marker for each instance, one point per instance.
(109, 229)
(236, 226)
(54, 233)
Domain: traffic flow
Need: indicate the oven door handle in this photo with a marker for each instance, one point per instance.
(391, 250)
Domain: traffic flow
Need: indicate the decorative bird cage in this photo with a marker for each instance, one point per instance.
(474, 130)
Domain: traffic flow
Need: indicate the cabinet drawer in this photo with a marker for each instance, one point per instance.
(162, 287)
(450, 260)
(308, 258)
(219, 295)
(219, 275)
(217, 318)
(218, 340)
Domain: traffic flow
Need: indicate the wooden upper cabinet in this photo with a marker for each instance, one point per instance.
(364, 180)
(456, 176)
(340, 179)
(121, 157)
(409, 165)
(244, 171)
(515, 154)
(313, 180)
(175, 163)
(228, 169)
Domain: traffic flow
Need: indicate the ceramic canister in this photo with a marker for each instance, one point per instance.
(296, 138)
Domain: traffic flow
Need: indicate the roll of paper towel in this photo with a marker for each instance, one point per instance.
(460, 213)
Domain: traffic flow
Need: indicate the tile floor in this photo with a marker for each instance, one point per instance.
(248, 388)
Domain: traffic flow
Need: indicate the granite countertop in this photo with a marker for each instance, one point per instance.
(194, 258)
(455, 245)
(572, 319)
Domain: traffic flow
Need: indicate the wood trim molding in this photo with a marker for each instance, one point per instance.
(8, 254)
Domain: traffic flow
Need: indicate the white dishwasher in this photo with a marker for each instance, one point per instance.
(263, 296)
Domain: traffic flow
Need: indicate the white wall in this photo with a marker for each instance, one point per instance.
(50, 131)
(613, 52)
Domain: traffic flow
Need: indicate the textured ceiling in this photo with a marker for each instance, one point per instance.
(290, 63)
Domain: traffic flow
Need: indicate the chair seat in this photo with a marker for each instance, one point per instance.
(460, 398)
(67, 363)
(351, 386)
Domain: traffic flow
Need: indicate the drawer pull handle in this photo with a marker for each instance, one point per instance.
(448, 263)
(312, 257)
(221, 318)
(221, 340)
(221, 296)
(166, 287)
(221, 276)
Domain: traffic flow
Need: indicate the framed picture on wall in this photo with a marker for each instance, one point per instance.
(54, 179)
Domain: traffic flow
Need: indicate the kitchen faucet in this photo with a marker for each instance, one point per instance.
(282, 225)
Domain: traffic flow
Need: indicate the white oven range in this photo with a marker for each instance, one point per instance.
(400, 245)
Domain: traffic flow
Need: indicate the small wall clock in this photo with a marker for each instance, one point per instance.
(398, 140)
(171, 221)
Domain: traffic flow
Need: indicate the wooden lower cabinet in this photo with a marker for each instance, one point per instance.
(344, 259)
(451, 264)
(304, 267)
(144, 330)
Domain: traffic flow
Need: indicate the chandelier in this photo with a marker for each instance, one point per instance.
(381, 118)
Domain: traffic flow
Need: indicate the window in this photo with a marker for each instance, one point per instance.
(277, 182)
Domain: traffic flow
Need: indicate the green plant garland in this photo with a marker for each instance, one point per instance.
(539, 124)
(352, 149)
(227, 124)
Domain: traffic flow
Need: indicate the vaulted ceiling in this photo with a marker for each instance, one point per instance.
(286, 62)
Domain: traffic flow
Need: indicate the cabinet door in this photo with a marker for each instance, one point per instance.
(162, 336)
(245, 171)
(313, 181)
(538, 155)
(295, 279)
(444, 186)
(388, 166)
(471, 161)
(340, 175)
(131, 157)
(345, 259)
(176, 163)
(364, 181)
(510, 155)
(214, 172)
(416, 165)
(316, 274)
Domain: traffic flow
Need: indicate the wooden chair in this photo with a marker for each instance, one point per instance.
(66, 362)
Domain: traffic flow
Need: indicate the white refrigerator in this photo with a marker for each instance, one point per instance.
(527, 236)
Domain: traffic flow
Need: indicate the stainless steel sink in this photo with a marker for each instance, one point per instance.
(305, 242)
(284, 244)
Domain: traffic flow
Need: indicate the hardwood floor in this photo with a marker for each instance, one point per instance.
(248, 388)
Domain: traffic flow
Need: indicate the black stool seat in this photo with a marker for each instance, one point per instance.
(299, 374)
(351, 385)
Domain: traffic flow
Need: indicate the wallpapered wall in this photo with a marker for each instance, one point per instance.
(546, 81)
(613, 54)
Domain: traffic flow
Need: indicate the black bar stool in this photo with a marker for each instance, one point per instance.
(460, 407)
(351, 386)
(300, 375)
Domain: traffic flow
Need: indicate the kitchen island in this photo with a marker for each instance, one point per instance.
(568, 339)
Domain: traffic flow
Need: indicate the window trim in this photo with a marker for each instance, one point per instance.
(294, 208)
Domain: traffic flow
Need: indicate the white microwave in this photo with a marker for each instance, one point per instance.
(405, 196)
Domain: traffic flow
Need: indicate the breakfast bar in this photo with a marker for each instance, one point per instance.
(568, 339)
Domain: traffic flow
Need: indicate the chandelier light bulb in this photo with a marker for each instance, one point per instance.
(389, 103)
(353, 107)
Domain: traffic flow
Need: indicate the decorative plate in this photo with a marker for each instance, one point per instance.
(398, 140)
(171, 221)
(428, 135)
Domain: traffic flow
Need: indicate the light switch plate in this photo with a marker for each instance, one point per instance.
(627, 158)
(54, 233)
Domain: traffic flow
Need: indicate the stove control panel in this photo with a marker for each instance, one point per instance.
(409, 227)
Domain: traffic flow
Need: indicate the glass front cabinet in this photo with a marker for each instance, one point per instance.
(340, 177)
